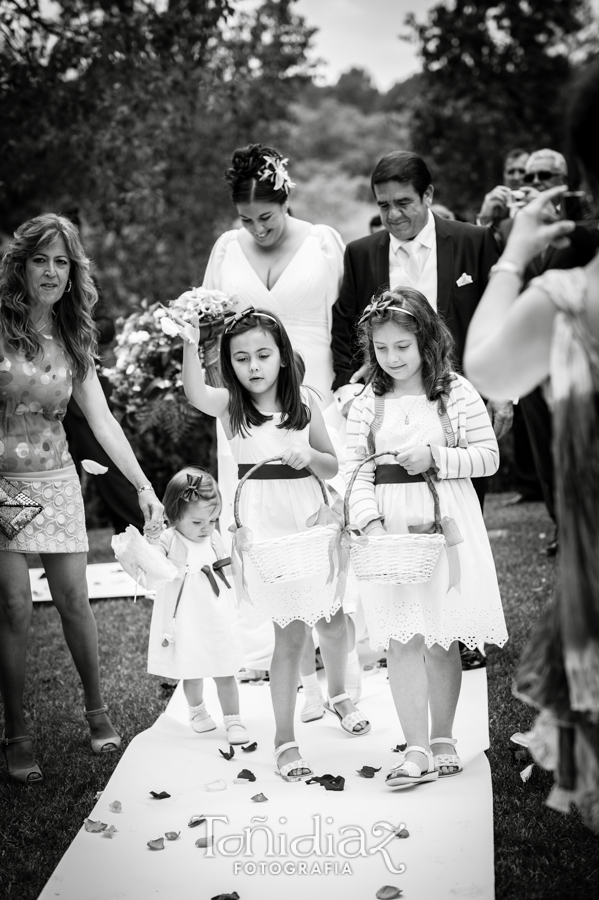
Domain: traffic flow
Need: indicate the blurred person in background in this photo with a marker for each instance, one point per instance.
(548, 334)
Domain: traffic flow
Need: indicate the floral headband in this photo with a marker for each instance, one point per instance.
(250, 311)
(275, 170)
(381, 304)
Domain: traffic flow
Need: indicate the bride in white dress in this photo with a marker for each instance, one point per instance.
(289, 267)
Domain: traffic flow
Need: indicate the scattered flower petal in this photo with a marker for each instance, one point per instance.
(161, 796)
(94, 827)
(93, 467)
(328, 782)
(368, 771)
(388, 892)
(259, 798)
(109, 831)
(196, 820)
(399, 748)
(233, 896)
(249, 748)
(526, 773)
(241, 781)
(204, 841)
(227, 754)
(172, 835)
(116, 806)
(402, 833)
(219, 785)
(158, 844)
(246, 775)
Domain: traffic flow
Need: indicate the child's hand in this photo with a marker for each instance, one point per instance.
(416, 459)
(297, 457)
(189, 331)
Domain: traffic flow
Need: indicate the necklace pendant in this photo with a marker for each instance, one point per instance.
(407, 420)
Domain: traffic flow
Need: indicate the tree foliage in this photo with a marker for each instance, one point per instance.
(494, 78)
(129, 110)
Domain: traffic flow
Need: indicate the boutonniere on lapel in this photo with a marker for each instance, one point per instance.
(464, 279)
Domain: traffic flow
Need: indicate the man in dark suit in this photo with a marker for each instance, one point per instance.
(447, 261)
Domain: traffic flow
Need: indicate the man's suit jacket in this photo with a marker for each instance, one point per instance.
(461, 249)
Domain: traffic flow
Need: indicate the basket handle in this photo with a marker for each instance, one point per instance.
(264, 462)
(425, 475)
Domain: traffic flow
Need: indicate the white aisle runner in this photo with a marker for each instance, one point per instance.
(448, 854)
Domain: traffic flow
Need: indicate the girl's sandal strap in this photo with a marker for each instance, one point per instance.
(95, 712)
(339, 698)
(298, 764)
(282, 747)
(444, 740)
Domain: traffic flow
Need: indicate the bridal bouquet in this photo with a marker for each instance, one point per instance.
(211, 307)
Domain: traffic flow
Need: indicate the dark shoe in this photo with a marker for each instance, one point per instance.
(471, 659)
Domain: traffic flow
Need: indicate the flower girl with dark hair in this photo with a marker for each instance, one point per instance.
(265, 414)
(194, 632)
(415, 404)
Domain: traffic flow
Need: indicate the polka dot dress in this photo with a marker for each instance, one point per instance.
(33, 401)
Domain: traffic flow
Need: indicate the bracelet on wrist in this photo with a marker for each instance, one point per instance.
(505, 265)
(145, 487)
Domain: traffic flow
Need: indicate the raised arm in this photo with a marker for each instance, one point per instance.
(507, 348)
(210, 400)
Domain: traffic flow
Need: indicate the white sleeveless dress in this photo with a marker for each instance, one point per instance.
(274, 508)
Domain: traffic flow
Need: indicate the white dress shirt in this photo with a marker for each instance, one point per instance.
(425, 245)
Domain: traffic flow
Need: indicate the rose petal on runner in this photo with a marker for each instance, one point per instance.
(157, 844)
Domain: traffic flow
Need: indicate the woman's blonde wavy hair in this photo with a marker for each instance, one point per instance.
(74, 326)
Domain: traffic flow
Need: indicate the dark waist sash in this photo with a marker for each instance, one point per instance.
(272, 471)
(394, 474)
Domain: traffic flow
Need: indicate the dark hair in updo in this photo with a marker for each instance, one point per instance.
(243, 176)
(434, 339)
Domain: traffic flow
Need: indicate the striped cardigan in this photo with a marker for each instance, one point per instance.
(471, 450)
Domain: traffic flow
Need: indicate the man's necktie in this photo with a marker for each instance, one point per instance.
(410, 260)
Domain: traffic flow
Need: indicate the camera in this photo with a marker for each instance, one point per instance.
(572, 204)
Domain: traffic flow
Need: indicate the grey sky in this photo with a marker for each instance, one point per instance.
(364, 33)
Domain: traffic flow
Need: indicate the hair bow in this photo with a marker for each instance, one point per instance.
(192, 491)
(381, 304)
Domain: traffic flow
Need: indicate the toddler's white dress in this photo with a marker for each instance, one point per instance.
(474, 615)
(274, 508)
(206, 632)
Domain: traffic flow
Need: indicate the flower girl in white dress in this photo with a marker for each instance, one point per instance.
(266, 414)
(415, 404)
(194, 632)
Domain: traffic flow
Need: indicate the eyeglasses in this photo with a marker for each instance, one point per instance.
(543, 175)
(515, 171)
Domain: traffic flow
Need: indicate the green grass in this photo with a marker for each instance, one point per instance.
(540, 854)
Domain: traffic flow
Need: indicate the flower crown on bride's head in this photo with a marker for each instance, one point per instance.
(275, 170)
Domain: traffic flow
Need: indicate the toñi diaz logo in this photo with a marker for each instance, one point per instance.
(320, 852)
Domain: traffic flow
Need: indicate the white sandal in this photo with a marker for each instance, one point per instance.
(348, 722)
(236, 733)
(408, 772)
(284, 771)
(449, 760)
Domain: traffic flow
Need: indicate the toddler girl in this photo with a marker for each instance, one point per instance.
(194, 633)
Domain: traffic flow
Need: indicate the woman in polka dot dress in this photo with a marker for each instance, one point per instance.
(46, 352)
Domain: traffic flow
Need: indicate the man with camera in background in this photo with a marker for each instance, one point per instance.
(495, 210)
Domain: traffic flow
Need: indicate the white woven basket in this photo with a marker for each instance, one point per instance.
(395, 558)
(292, 556)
